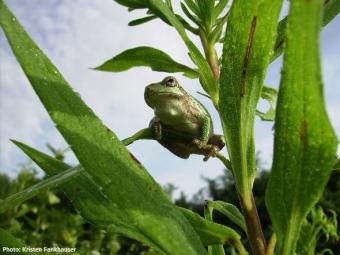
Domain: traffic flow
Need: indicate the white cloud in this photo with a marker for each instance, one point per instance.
(80, 34)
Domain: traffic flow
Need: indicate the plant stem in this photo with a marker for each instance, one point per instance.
(225, 161)
(210, 54)
(144, 133)
(254, 229)
(240, 248)
(271, 245)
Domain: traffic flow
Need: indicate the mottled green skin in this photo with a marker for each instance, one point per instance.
(181, 122)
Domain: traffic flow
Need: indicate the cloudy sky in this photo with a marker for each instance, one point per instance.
(80, 34)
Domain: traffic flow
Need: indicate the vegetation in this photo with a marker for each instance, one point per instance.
(108, 185)
(41, 221)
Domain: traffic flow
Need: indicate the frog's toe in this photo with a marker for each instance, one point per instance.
(198, 143)
(212, 152)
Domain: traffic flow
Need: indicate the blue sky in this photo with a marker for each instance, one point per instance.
(80, 34)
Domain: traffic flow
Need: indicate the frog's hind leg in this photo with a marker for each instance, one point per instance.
(179, 149)
(212, 147)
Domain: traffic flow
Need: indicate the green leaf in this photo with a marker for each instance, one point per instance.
(187, 26)
(212, 249)
(86, 196)
(207, 79)
(156, 59)
(317, 225)
(193, 7)
(219, 8)
(206, 10)
(125, 183)
(269, 94)
(247, 50)
(133, 4)
(9, 241)
(230, 211)
(90, 201)
(215, 35)
(331, 9)
(20, 197)
(191, 16)
(140, 21)
(213, 233)
(304, 141)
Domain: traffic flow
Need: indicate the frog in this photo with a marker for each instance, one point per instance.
(181, 123)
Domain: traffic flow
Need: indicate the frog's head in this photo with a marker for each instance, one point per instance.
(157, 94)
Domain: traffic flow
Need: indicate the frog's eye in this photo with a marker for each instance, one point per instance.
(170, 82)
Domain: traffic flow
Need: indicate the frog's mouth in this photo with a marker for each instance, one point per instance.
(148, 93)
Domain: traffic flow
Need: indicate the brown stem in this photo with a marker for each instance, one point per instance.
(254, 229)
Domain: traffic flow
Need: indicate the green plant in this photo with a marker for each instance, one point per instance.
(109, 184)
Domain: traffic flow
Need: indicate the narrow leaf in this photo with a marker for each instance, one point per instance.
(191, 16)
(90, 201)
(215, 35)
(212, 233)
(206, 10)
(156, 59)
(140, 21)
(124, 182)
(212, 249)
(247, 50)
(230, 211)
(133, 4)
(87, 197)
(304, 141)
(20, 197)
(219, 8)
(193, 7)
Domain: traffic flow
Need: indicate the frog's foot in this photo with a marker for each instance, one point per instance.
(211, 152)
(208, 150)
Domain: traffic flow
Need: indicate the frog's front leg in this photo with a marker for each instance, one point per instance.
(156, 126)
(208, 150)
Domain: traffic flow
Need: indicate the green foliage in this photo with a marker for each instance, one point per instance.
(7, 240)
(88, 199)
(304, 141)
(146, 56)
(123, 181)
(331, 9)
(314, 227)
(246, 53)
(55, 180)
(114, 192)
(41, 221)
(230, 211)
